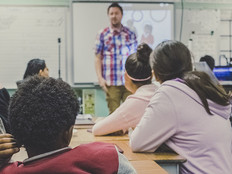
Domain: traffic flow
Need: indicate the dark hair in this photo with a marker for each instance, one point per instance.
(201, 83)
(33, 67)
(170, 59)
(209, 60)
(115, 4)
(40, 110)
(137, 64)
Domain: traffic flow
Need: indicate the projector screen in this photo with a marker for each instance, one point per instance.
(151, 22)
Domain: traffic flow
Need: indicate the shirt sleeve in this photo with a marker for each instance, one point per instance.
(134, 43)
(157, 125)
(126, 115)
(124, 165)
(99, 44)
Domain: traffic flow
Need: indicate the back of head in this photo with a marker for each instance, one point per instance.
(137, 65)
(40, 110)
(170, 59)
(209, 60)
(33, 67)
(115, 4)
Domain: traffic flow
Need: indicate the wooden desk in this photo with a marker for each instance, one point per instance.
(143, 162)
(169, 161)
(147, 167)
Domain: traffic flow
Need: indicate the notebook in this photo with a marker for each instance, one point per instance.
(84, 119)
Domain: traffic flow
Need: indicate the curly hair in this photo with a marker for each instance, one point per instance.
(40, 110)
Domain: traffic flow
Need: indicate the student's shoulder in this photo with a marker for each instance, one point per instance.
(97, 147)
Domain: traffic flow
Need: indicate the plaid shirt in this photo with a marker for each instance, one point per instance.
(114, 48)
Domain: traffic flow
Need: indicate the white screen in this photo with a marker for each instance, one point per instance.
(89, 18)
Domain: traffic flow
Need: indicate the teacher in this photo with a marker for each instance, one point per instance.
(113, 45)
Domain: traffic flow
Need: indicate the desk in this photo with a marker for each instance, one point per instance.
(147, 167)
(142, 162)
(169, 161)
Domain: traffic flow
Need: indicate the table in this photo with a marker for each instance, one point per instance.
(170, 161)
(144, 163)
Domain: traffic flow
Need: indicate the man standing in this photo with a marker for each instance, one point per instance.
(113, 45)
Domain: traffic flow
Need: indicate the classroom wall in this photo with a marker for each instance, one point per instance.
(220, 9)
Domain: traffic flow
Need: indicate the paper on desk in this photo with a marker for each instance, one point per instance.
(84, 117)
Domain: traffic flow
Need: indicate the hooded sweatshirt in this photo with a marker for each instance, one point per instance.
(175, 116)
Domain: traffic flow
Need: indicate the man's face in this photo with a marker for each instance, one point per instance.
(115, 16)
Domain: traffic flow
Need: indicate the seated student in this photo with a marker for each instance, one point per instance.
(42, 113)
(188, 113)
(35, 67)
(4, 103)
(209, 60)
(138, 77)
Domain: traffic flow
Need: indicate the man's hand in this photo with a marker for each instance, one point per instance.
(8, 146)
(102, 83)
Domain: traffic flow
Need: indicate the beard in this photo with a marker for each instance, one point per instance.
(116, 25)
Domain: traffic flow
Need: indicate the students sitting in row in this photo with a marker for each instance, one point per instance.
(42, 114)
(189, 113)
(138, 77)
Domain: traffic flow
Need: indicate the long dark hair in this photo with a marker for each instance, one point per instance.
(172, 59)
(33, 67)
(205, 88)
(137, 65)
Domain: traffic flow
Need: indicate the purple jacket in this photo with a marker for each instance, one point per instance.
(175, 116)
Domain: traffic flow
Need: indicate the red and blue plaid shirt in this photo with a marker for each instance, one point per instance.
(114, 48)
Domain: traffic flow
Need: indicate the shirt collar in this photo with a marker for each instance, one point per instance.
(45, 154)
(117, 30)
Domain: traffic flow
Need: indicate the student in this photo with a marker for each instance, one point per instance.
(35, 67)
(188, 113)
(138, 77)
(209, 60)
(42, 114)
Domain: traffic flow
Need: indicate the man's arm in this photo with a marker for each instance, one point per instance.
(98, 68)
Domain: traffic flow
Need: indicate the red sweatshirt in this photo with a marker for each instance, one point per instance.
(95, 158)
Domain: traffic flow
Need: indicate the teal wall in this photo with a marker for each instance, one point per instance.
(100, 104)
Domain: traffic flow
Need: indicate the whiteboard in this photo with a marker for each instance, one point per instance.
(28, 32)
(89, 18)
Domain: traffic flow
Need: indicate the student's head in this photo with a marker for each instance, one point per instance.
(169, 60)
(36, 66)
(115, 14)
(42, 113)
(138, 70)
(209, 60)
